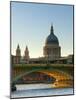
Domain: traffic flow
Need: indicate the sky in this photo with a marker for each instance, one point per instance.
(31, 23)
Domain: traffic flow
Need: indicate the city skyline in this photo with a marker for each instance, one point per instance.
(31, 25)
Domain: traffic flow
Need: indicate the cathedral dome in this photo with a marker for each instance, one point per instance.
(52, 39)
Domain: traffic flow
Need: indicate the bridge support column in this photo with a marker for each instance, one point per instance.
(13, 87)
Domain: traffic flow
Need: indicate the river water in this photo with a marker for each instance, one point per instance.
(33, 90)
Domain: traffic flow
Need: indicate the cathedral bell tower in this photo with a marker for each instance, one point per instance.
(18, 54)
(18, 51)
(26, 55)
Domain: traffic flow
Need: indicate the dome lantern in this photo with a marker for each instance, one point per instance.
(51, 30)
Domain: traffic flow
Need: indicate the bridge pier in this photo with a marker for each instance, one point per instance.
(13, 87)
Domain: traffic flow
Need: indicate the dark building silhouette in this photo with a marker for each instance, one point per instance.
(51, 53)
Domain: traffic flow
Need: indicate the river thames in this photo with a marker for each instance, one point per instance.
(37, 90)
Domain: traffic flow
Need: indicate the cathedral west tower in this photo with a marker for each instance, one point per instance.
(26, 55)
(18, 55)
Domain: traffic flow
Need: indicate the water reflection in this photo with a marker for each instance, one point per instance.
(31, 90)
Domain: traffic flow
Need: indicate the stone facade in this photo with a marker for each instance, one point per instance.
(52, 51)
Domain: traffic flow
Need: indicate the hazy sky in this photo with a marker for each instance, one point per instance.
(30, 25)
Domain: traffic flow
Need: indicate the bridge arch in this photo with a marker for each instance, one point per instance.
(57, 74)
